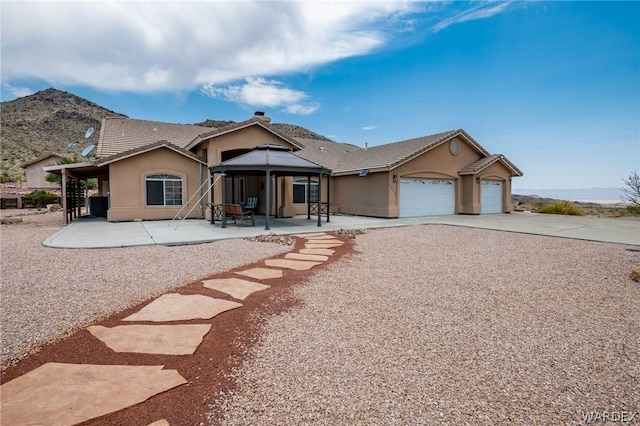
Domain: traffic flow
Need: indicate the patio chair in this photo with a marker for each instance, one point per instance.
(240, 217)
(252, 204)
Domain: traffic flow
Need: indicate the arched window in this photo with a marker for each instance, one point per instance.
(164, 190)
(300, 190)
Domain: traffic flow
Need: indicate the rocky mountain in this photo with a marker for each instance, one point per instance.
(46, 122)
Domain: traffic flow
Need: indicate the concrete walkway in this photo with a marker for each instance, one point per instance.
(98, 233)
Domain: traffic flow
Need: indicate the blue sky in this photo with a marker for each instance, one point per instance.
(554, 86)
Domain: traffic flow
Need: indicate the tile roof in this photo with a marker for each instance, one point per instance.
(253, 121)
(327, 153)
(483, 163)
(44, 157)
(146, 148)
(123, 134)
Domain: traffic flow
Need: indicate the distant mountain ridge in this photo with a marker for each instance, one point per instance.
(47, 121)
(574, 194)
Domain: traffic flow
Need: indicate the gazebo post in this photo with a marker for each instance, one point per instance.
(213, 200)
(320, 199)
(222, 192)
(268, 200)
(308, 197)
(276, 197)
(328, 197)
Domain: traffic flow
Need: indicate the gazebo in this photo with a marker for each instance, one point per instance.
(277, 161)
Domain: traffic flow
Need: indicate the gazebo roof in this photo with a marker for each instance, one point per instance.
(279, 160)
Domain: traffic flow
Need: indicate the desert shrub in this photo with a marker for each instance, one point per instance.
(561, 207)
(39, 198)
(633, 209)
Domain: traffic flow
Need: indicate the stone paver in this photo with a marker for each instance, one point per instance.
(298, 265)
(311, 234)
(152, 339)
(261, 273)
(68, 394)
(311, 257)
(321, 238)
(322, 251)
(323, 245)
(178, 307)
(235, 287)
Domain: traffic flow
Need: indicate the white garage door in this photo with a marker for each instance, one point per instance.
(427, 197)
(491, 197)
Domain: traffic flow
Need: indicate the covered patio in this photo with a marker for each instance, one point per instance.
(271, 161)
(74, 184)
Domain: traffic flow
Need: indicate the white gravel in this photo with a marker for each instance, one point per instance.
(47, 293)
(446, 325)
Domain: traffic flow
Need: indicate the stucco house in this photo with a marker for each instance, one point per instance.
(151, 170)
(36, 176)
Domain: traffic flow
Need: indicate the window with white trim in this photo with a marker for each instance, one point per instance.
(300, 191)
(164, 190)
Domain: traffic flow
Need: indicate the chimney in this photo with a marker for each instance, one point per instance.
(259, 115)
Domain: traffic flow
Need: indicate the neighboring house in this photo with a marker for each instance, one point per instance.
(151, 170)
(36, 176)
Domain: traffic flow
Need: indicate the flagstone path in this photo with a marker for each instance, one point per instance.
(67, 394)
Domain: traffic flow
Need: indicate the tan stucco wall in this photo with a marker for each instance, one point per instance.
(470, 195)
(368, 195)
(128, 190)
(36, 177)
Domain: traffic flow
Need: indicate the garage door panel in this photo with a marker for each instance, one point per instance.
(426, 197)
(491, 197)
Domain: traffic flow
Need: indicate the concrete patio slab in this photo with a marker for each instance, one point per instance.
(297, 265)
(261, 273)
(98, 233)
(311, 234)
(178, 307)
(311, 257)
(321, 251)
(68, 394)
(235, 287)
(152, 339)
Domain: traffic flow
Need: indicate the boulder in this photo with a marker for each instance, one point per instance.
(635, 274)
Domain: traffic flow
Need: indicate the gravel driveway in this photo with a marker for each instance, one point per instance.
(448, 325)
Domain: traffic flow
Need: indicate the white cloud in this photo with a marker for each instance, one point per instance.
(479, 10)
(179, 46)
(260, 92)
(369, 127)
(17, 91)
